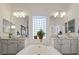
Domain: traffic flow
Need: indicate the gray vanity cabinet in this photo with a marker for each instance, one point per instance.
(66, 46)
(0, 46)
(21, 45)
(12, 46)
(65, 49)
(4, 48)
(57, 44)
(74, 46)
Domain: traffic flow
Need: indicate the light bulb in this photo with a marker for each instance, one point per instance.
(56, 14)
(13, 27)
(19, 14)
(63, 14)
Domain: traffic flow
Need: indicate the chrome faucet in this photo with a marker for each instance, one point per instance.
(10, 35)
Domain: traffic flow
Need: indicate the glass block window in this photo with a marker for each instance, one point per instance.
(39, 22)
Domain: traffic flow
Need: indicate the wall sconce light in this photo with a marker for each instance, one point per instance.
(19, 14)
(60, 14)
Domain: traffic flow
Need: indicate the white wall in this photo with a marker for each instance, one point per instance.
(6, 12)
(73, 13)
(18, 22)
(56, 22)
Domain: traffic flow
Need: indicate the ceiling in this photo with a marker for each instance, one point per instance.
(40, 8)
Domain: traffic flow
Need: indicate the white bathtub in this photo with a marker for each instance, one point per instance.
(38, 50)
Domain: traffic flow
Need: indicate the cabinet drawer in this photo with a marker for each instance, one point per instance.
(4, 48)
(21, 45)
(0, 52)
(12, 48)
(74, 46)
(66, 46)
(0, 45)
(57, 41)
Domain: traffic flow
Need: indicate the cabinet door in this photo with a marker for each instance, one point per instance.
(57, 43)
(74, 46)
(21, 44)
(66, 46)
(4, 49)
(12, 47)
(0, 46)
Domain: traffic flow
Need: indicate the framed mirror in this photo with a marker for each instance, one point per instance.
(71, 26)
(8, 26)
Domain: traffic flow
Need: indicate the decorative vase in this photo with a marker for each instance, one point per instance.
(40, 37)
(35, 37)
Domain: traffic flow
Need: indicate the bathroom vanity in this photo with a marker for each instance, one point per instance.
(66, 45)
(11, 46)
